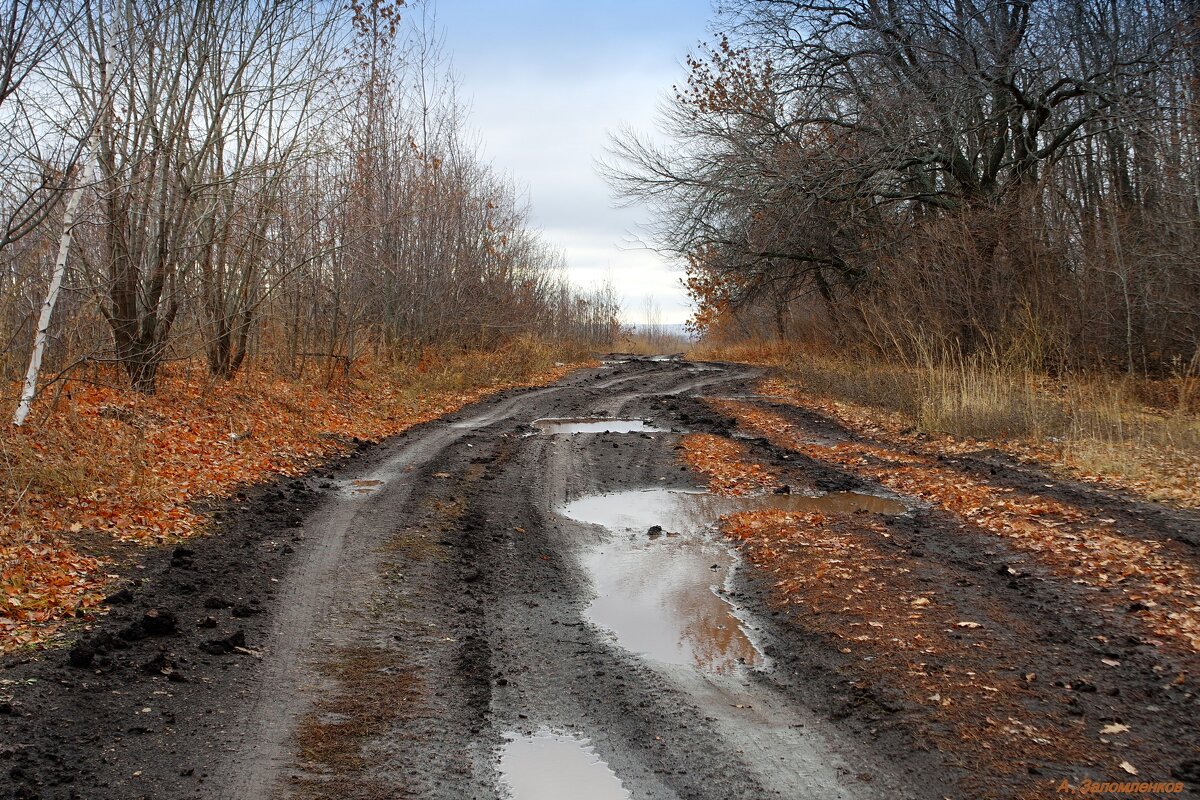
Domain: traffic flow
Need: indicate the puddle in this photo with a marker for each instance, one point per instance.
(359, 486)
(551, 766)
(659, 597)
(658, 594)
(597, 425)
(682, 511)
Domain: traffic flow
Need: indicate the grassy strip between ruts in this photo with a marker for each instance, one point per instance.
(112, 466)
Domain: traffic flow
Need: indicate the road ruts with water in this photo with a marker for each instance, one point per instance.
(458, 613)
(477, 586)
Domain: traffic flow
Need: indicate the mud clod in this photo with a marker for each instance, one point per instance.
(219, 647)
(156, 622)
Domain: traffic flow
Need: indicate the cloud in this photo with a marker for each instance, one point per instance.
(547, 83)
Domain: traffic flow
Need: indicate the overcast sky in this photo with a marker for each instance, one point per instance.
(547, 81)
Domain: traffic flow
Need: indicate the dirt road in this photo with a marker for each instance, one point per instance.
(485, 606)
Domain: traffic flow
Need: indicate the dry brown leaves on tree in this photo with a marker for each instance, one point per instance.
(1163, 474)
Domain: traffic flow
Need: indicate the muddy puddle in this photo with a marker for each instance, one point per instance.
(552, 766)
(659, 581)
(659, 598)
(687, 511)
(360, 487)
(550, 427)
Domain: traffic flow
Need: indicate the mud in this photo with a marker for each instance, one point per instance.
(392, 639)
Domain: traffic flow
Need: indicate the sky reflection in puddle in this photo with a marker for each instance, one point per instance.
(569, 426)
(658, 593)
(552, 766)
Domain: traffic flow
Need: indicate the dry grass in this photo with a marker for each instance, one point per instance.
(641, 344)
(433, 372)
(371, 695)
(1094, 426)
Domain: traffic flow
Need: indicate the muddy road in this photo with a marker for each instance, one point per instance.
(527, 599)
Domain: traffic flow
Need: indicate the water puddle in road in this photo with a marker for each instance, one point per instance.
(658, 583)
(594, 425)
(358, 487)
(688, 511)
(551, 766)
(660, 600)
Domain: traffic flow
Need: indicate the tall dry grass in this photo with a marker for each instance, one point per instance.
(435, 371)
(1101, 424)
(641, 344)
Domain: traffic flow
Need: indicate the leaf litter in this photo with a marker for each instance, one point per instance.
(113, 466)
(836, 574)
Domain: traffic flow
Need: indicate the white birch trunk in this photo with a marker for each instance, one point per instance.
(43, 328)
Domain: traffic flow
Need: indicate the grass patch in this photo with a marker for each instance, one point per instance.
(334, 738)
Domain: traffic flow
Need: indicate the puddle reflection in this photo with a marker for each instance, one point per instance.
(682, 511)
(553, 426)
(656, 583)
(551, 766)
(659, 599)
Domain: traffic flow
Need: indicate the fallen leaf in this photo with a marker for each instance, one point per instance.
(1112, 662)
(968, 625)
(1115, 728)
(1125, 765)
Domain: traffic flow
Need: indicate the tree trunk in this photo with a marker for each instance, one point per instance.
(43, 329)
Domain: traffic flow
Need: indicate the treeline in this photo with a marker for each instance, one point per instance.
(289, 180)
(1016, 178)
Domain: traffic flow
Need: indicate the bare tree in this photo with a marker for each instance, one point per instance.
(820, 149)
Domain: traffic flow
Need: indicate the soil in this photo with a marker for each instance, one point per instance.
(386, 625)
